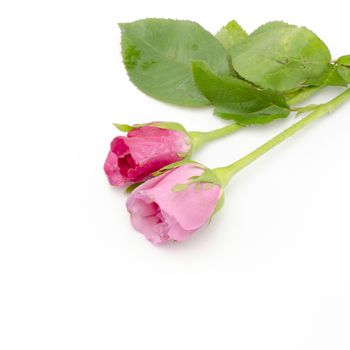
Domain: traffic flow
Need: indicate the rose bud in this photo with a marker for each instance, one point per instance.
(147, 148)
(144, 150)
(175, 204)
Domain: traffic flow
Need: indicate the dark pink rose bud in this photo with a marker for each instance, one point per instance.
(144, 150)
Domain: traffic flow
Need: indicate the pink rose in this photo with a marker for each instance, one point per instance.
(144, 150)
(172, 206)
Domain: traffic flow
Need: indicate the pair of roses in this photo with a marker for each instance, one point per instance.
(179, 196)
(180, 200)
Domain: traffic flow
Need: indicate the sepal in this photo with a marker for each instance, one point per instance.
(172, 166)
(208, 177)
(169, 125)
(162, 125)
(124, 127)
(132, 187)
(219, 205)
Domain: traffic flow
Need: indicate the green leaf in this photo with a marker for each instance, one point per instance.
(344, 72)
(281, 57)
(238, 100)
(158, 53)
(343, 67)
(334, 78)
(344, 60)
(301, 95)
(330, 77)
(230, 35)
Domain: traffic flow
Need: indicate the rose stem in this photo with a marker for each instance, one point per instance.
(226, 173)
(200, 138)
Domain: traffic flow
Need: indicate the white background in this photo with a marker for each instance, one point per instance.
(270, 272)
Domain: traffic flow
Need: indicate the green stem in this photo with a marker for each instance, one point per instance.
(226, 173)
(199, 138)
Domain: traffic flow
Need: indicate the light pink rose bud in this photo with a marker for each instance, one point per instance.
(145, 149)
(173, 205)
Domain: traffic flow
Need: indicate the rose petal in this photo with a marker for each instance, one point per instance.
(180, 205)
(111, 169)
